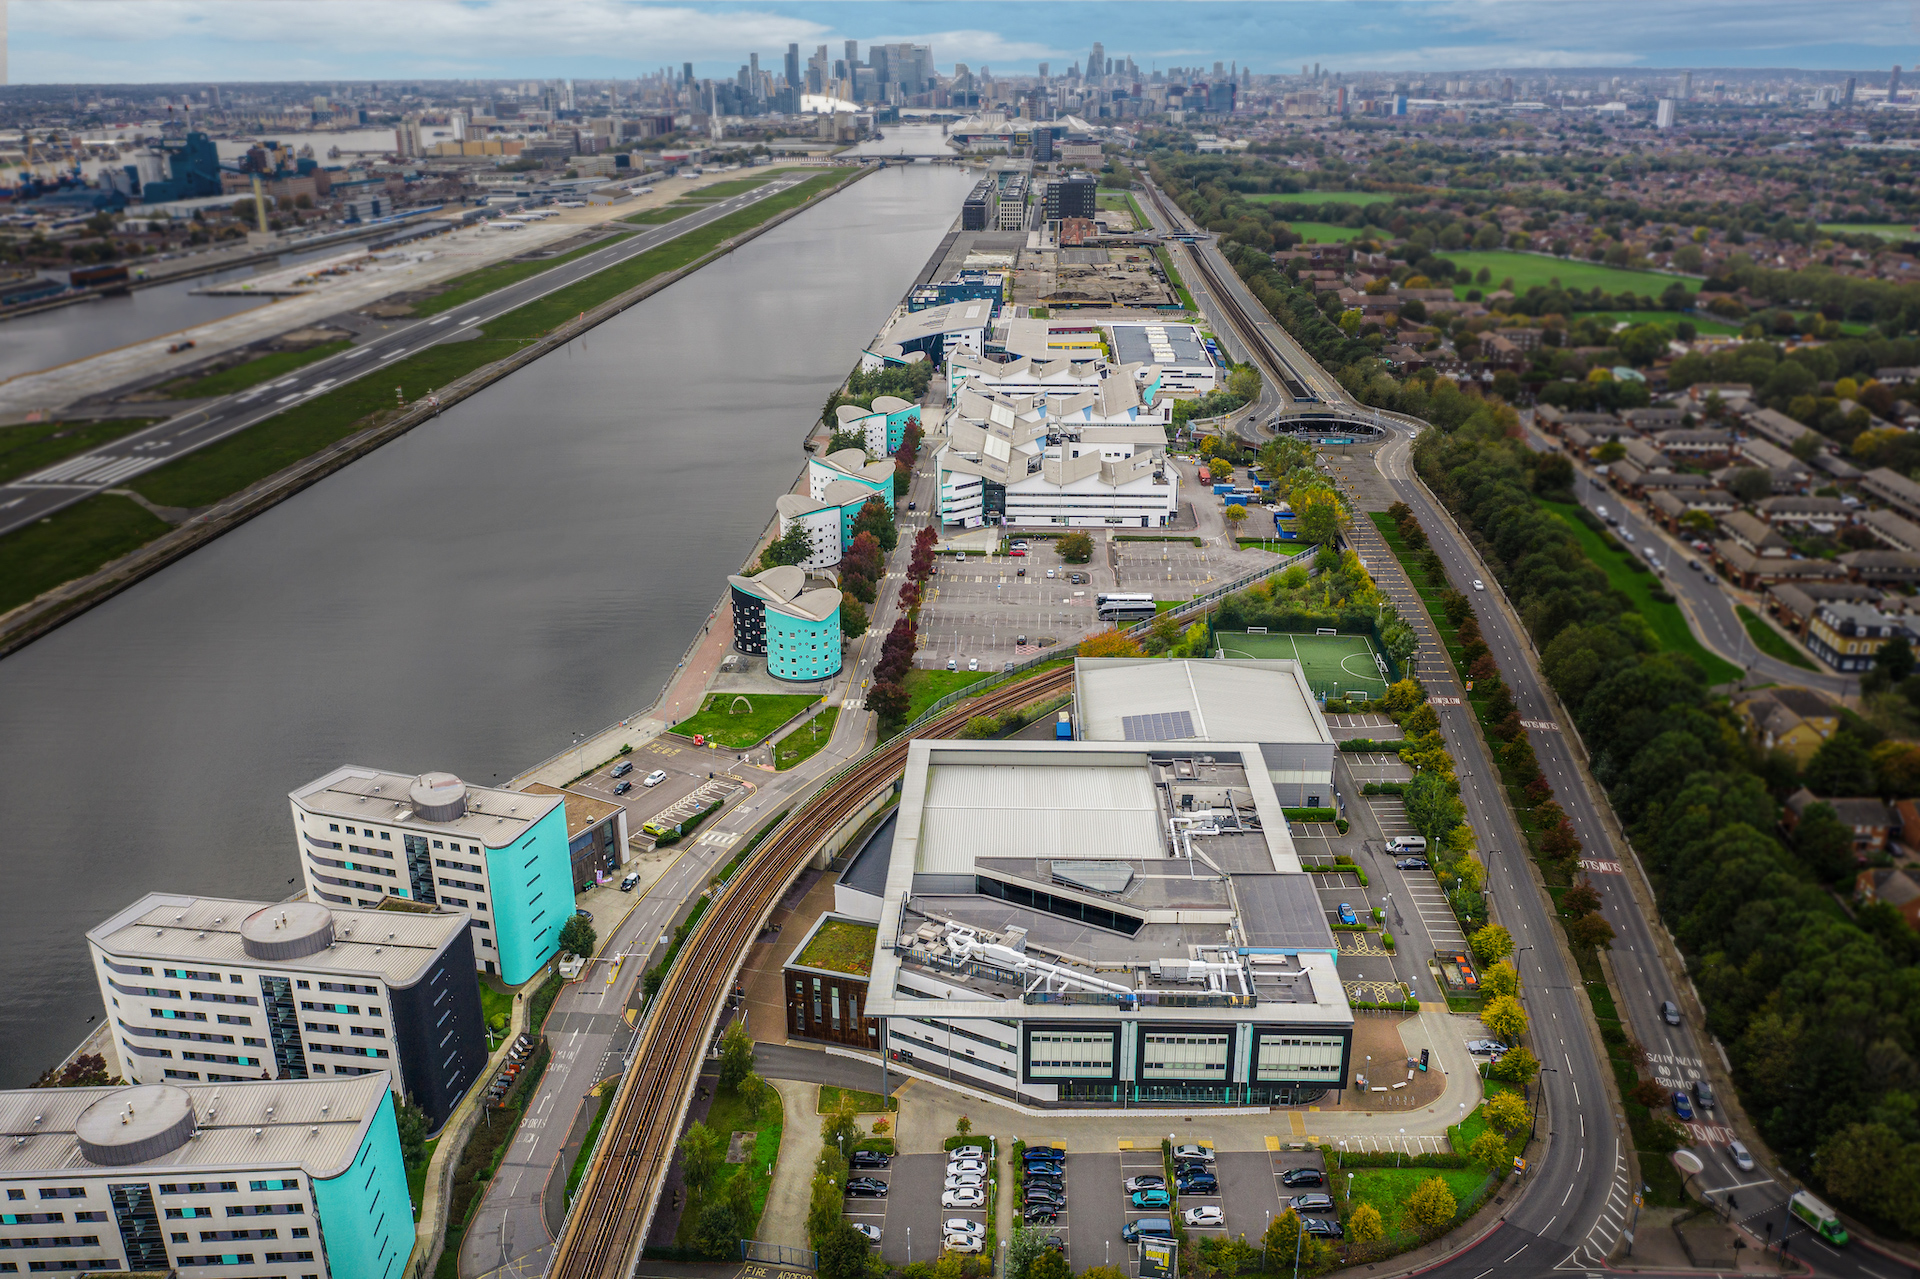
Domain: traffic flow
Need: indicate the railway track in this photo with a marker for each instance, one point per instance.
(604, 1233)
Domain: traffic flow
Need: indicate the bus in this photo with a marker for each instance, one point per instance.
(1818, 1218)
(1119, 607)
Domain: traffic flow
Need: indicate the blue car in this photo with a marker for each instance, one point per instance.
(1346, 914)
(1683, 1105)
(1150, 1199)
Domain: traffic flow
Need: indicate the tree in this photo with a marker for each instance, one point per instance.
(1824, 842)
(1024, 1247)
(1320, 510)
(1871, 1167)
(791, 547)
(876, 519)
(853, 618)
(1431, 1206)
(845, 1253)
(1591, 932)
(1697, 523)
(963, 1127)
(577, 935)
(1501, 979)
(1582, 899)
(1507, 1113)
(1505, 1018)
(1750, 484)
(1610, 452)
(1489, 1148)
(699, 1158)
(1491, 944)
(1516, 1066)
(1432, 805)
(412, 1122)
(1075, 548)
(717, 1233)
(1111, 642)
(1896, 769)
(1664, 1135)
(890, 702)
(736, 1056)
(1365, 1226)
(1049, 1265)
(840, 1127)
(1244, 382)
(1280, 1240)
(1841, 768)
(1235, 515)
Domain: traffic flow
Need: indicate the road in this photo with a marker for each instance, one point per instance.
(34, 497)
(1577, 1199)
(1709, 607)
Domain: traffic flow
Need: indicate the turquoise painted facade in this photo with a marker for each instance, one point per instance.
(532, 883)
(851, 512)
(366, 1218)
(800, 648)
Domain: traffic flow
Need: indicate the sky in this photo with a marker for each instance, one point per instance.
(149, 41)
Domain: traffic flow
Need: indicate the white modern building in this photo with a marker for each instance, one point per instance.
(936, 333)
(277, 1180)
(1074, 922)
(822, 520)
(1172, 356)
(212, 990)
(1125, 699)
(365, 835)
(1018, 475)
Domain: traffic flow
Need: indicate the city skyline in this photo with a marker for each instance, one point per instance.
(119, 41)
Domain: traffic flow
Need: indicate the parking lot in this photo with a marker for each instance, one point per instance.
(910, 1216)
(980, 607)
(688, 769)
(1180, 570)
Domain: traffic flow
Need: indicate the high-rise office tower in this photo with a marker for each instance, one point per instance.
(1096, 62)
(1686, 85)
(1043, 72)
(793, 66)
(853, 55)
(1846, 97)
(686, 73)
(1893, 86)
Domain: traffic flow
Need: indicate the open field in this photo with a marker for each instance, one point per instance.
(740, 720)
(462, 289)
(253, 372)
(1333, 664)
(1529, 269)
(925, 687)
(1886, 230)
(70, 543)
(1387, 1189)
(803, 741)
(32, 446)
(1668, 623)
(1321, 197)
(1770, 641)
(655, 217)
(1326, 232)
(1701, 323)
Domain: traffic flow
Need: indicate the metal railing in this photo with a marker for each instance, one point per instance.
(779, 1254)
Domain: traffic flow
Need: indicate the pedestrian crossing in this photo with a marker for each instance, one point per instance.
(93, 468)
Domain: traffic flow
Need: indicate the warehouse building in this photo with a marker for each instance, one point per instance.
(283, 1179)
(1100, 922)
(211, 990)
(365, 835)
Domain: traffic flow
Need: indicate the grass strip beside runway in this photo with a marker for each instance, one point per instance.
(474, 285)
(34, 446)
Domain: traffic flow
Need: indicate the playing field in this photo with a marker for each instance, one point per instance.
(1529, 269)
(1335, 665)
(1321, 197)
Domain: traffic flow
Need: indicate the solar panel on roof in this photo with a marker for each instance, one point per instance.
(1158, 726)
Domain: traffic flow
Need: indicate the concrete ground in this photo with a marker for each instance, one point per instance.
(785, 1218)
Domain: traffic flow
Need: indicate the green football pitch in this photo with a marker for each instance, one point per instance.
(1337, 665)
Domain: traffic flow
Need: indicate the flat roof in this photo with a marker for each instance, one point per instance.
(1151, 343)
(396, 946)
(495, 818)
(992, 809)
(583, 811)
(1226, 700)
(318, 1125)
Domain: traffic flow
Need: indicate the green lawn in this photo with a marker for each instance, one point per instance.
(1325, 232)
(607, 1094)
(1529, 269)
(867, 1103)
(28, 447)
(729, 1114)
(253, 372)
(1770, 641)
(1387, 1189)
(665, 213)
(841, 946)
(462, 289)
(803, 741)
(740, 720)
(71, 543)
(734, 186)
(1668, 623)
(204, 477)
(417, 1177)
(924, 688)
(1173, 277)
(496, 1003)
(1888, 230)
(1321, 197)
(1701, 323)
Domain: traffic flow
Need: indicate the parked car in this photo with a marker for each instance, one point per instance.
(962, 1226)
(1019, 548)
(953, 664)
(964, 1197)
(654, 778)
(1325, 1227)
(1078, 579)
(1203, 1183)
(1682, 1106)
(1742, 1157)
(1151, 1199)
(1311, 1203)
(1346, 914)
(1484, 1047)
(1041, 1195)
(632, 880)
(1146, 1181)
(1202, 1153)
(871, 1232)
(973, 663)
(621, 769)
(1045, 1154)
(1050, 572)
(964, 1181)
(1205, 1215)
(1479, 585)
(866, 1188)
(966, 1152)
(1056, 1243)
(966, 1165)
(1303, 1177)
(869, 1159)
(963, 1243)
(621, 788)
(1669, 1012)
(1040, 1215)
(1148, 1228)
(584, 913)
(1411, 863)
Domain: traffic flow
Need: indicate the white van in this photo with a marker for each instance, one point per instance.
(1416, 844)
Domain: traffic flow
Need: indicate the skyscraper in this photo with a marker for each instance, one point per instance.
(686, 75)
(1043, 72)
(793, 67)
(853, 56)
(1893, 86)
(1097, 62)
(1846, 98)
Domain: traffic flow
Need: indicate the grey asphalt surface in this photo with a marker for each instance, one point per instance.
(26, 499)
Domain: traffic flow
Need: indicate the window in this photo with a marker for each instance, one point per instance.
(1181, 1056)
(213, 1187)
(1067, 1055)
(63, 1192)
(290, 1183)
(333, 826)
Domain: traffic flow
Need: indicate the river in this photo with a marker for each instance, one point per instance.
(529, 565)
